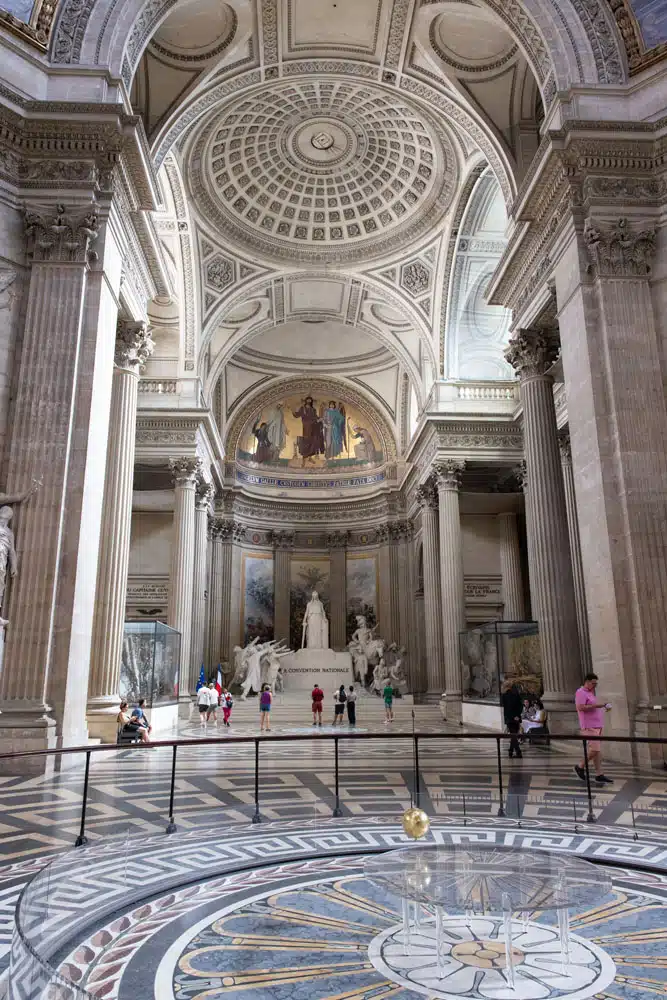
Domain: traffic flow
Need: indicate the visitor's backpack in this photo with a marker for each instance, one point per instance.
(342, 697)
(265, 700)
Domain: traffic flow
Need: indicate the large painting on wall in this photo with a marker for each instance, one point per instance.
(306, 575)
(310, 433)
(257, 596)
(361, 573)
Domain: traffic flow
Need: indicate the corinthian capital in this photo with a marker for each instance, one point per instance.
(185, 470)
(616, 251)
(532, 352)
(427, 496)
(337, 539)
(62, 236)
(448, 474)
(283, 539)
(565, 446)
(204, 494)
(134, 345)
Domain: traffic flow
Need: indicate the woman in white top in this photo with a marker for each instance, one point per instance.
(536, 720)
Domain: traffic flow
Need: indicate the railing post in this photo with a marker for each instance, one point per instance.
(501, 807)
(82, 839)
(257, 818)
(417, 786)
(337, 809)
(171, 826)
(591, 815)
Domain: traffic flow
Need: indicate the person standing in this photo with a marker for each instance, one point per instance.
(388, 696)
(265, 699)
(203, 704)
(352, 706)
(227, 703)
(512, 707)
(213, 703)
(591, 714)
(317, 697)
(340, 699)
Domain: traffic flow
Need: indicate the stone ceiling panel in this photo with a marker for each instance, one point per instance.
(323, 169)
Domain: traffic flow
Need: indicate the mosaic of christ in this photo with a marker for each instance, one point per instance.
(304, 432)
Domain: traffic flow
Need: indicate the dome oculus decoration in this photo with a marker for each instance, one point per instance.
(323, 164)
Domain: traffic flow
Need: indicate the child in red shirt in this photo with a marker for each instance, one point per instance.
(317, 696)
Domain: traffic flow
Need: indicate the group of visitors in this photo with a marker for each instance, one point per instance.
(209, 700)
(342, 700)
(134, 723)
(524, 716)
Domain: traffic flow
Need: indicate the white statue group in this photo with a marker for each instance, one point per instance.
(258, 663)
(374, 662)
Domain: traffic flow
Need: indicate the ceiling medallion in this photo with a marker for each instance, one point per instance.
(318, 165)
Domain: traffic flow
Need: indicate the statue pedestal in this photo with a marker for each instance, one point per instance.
(300, 670)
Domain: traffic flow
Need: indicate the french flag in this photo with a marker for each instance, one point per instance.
(218, 682)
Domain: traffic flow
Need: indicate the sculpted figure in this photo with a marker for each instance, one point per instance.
(315, 628)
(253, 677)
(7, 548)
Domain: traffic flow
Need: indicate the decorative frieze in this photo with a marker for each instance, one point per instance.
(134, 345)
(617, 251)
(62, 236)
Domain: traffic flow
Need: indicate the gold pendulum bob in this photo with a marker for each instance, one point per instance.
(415, 823)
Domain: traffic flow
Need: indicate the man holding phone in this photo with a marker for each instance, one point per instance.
(591, 723)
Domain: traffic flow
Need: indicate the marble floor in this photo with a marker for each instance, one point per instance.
(129, 796)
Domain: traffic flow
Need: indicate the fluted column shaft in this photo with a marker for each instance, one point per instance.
(283, 543)
(451, 572)
(575, 552)
(337, 542)
(510, 568)
(186, 472)
(427, 498)
(133, 348)
(203, 497)
(219, 591)
(58, 435)
(551, 584)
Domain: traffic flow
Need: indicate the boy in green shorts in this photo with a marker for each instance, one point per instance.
(388, 695)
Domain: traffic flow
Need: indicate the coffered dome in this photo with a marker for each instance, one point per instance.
(306, 168)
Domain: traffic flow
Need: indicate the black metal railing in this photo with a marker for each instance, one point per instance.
(414, 739)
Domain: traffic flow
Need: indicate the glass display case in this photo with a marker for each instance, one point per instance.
(498, 651)
(150, 664)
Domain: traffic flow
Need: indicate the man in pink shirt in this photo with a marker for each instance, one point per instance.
(591, 714)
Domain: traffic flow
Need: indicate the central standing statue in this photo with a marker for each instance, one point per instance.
(315, 629)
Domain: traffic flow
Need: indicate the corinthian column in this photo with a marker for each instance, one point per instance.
(203, 498)
(575, 552)
(532, 354)
(133, 348)
(337, 545)
(510, 568)
(448, 477)
(186, 472)
(220, 590)
(427, 498)
(283, 543)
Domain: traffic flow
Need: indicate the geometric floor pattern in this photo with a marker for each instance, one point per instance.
(129, 792)
(314, 928)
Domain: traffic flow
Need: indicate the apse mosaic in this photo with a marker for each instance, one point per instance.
(257, 596)
(310, 433)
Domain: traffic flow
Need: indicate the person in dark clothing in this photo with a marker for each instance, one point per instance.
(512, 705)
(352, 706)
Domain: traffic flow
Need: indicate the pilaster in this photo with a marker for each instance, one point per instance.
(133, 348)
(510, 568)
(575, 551)
(220, 585)
(337, 545)
(283, 544)
(204, 493)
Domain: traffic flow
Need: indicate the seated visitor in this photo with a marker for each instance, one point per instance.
(129, 725)
(537, 719)
(139, 715)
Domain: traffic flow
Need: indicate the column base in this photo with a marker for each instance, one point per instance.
(101, 716)
(562, 715)
(26, 726)
(186, 704)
